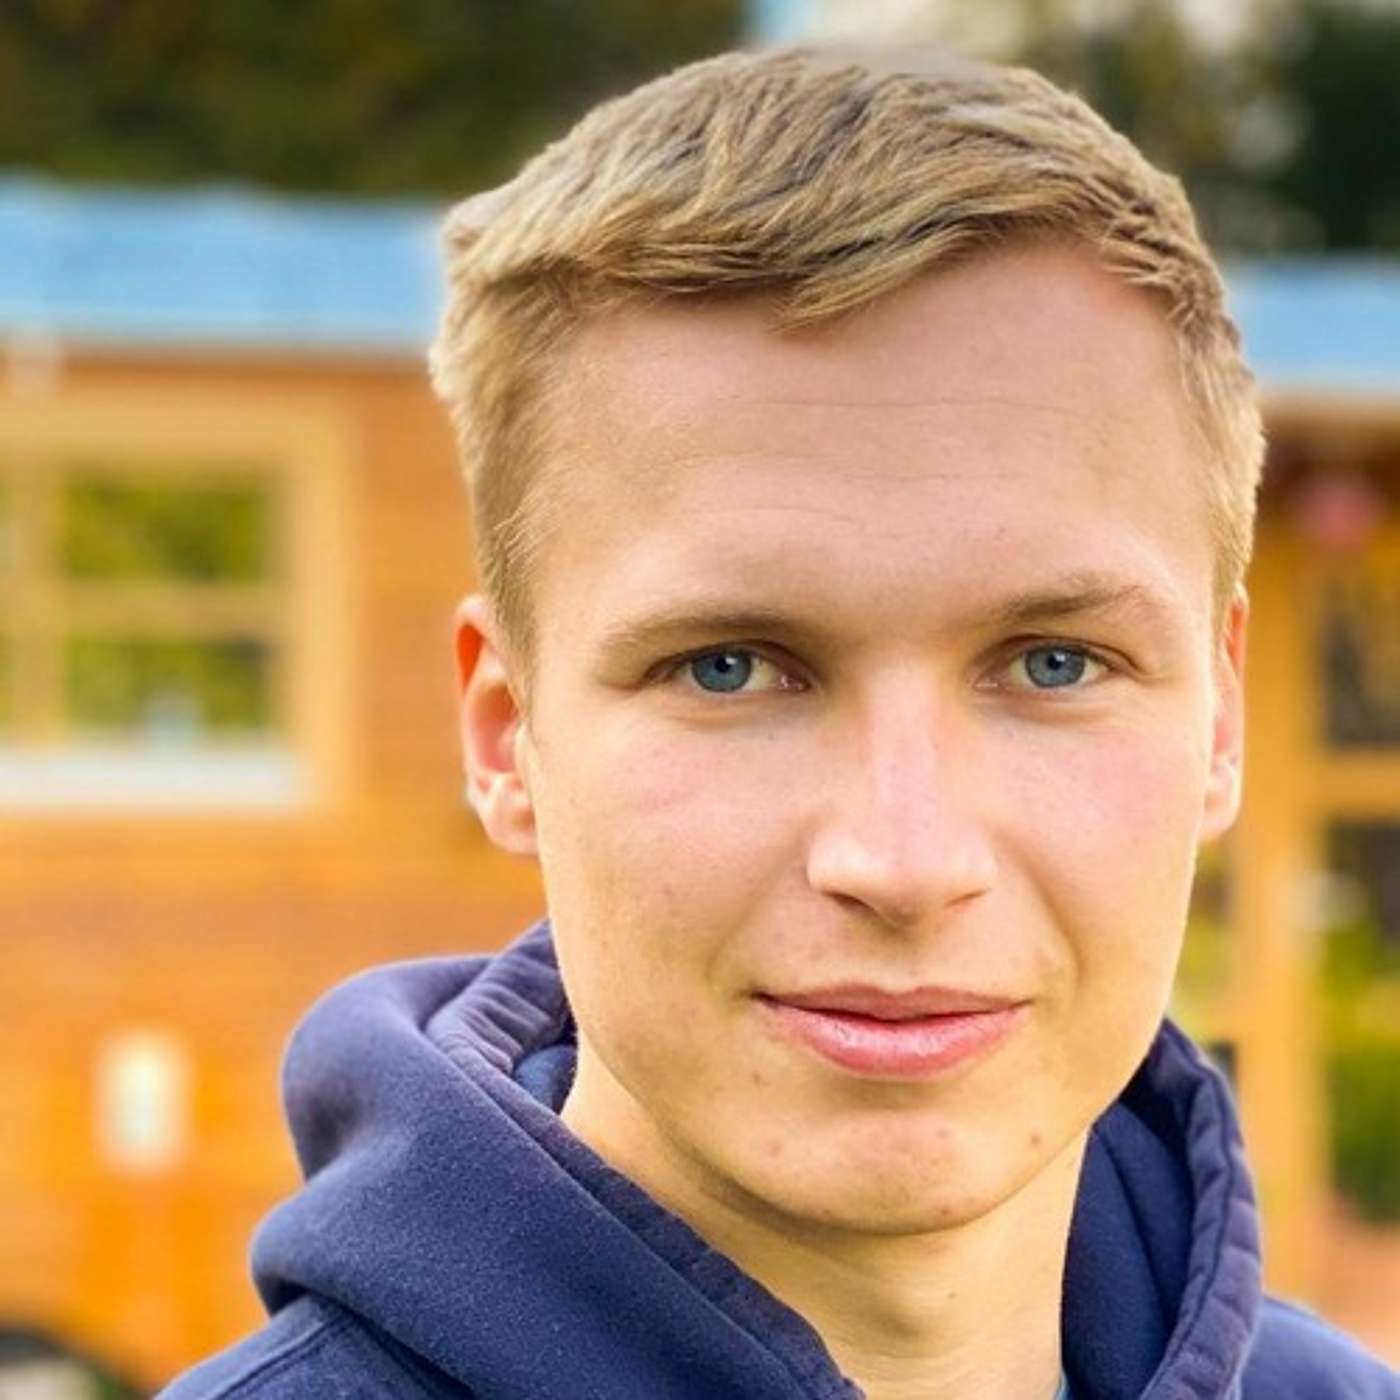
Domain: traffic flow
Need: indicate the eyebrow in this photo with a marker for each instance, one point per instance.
(1078, 594)
(1081, 594)
(710, 620)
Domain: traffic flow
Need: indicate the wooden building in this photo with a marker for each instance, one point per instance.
(228, 766)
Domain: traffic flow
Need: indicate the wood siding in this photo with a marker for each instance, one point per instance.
(219, 931)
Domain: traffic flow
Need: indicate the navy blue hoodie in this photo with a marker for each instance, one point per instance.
(454, 1238)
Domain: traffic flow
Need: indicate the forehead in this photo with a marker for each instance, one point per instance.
(1027, 404)
(1047, 318)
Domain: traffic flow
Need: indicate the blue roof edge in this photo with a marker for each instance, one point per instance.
(232, 267)
(216, 266)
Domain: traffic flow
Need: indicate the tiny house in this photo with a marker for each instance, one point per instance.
(232, 534)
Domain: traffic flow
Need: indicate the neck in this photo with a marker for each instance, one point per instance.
(970, 1309)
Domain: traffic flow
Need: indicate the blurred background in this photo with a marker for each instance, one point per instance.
(231, 535)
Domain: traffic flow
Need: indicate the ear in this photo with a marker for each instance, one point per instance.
(1222, 794)
(492, 727)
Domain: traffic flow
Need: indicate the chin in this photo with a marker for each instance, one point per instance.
(891, 1211)
(896, 1199)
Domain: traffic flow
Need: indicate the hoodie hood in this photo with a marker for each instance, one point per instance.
(447, 1206)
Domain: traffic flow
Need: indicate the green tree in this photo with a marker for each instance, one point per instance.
(1340, 64)
(417, 96)
(1285, 138)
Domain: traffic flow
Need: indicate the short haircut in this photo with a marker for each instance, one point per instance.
(820, 182)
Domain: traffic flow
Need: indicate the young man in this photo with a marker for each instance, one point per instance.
(864, 474)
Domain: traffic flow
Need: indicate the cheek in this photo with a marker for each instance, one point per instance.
(684, 815)
(1110, 849)
(1112, 870)
(658, 851)
(1111, 807)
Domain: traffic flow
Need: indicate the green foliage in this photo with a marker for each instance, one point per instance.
(1352, 958)
(167, 688)
(1205, 967)
(1358, 968)
(1361, 998)
(419, 96)
(190, 529)
(1342, 70)
(1142, 69)
(7, 685)
(114, 1390)
(109, 1387)
(1363, 1080)
(1203, 971)
(1364, 1085)
(1284, 140)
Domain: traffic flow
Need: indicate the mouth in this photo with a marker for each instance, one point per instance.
(888, 1039)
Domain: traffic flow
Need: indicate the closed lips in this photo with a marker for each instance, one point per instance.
(893, 1006)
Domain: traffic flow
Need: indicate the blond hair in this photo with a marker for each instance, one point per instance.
(821, 182)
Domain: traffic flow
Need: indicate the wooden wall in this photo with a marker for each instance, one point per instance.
(217, 932)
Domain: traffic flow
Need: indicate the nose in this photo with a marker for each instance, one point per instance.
(902, 832)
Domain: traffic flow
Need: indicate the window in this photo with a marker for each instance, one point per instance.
(1366, 857)
(1359, 648)
(161, 606)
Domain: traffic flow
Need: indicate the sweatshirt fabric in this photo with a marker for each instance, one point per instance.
(454, 1239)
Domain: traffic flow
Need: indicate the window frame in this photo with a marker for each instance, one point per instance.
(300, 444)
(1353, 781)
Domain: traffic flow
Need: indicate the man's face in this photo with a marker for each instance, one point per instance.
(879, 654)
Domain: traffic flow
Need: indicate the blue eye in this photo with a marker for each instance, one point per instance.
(1053, 667)
(722, 671)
